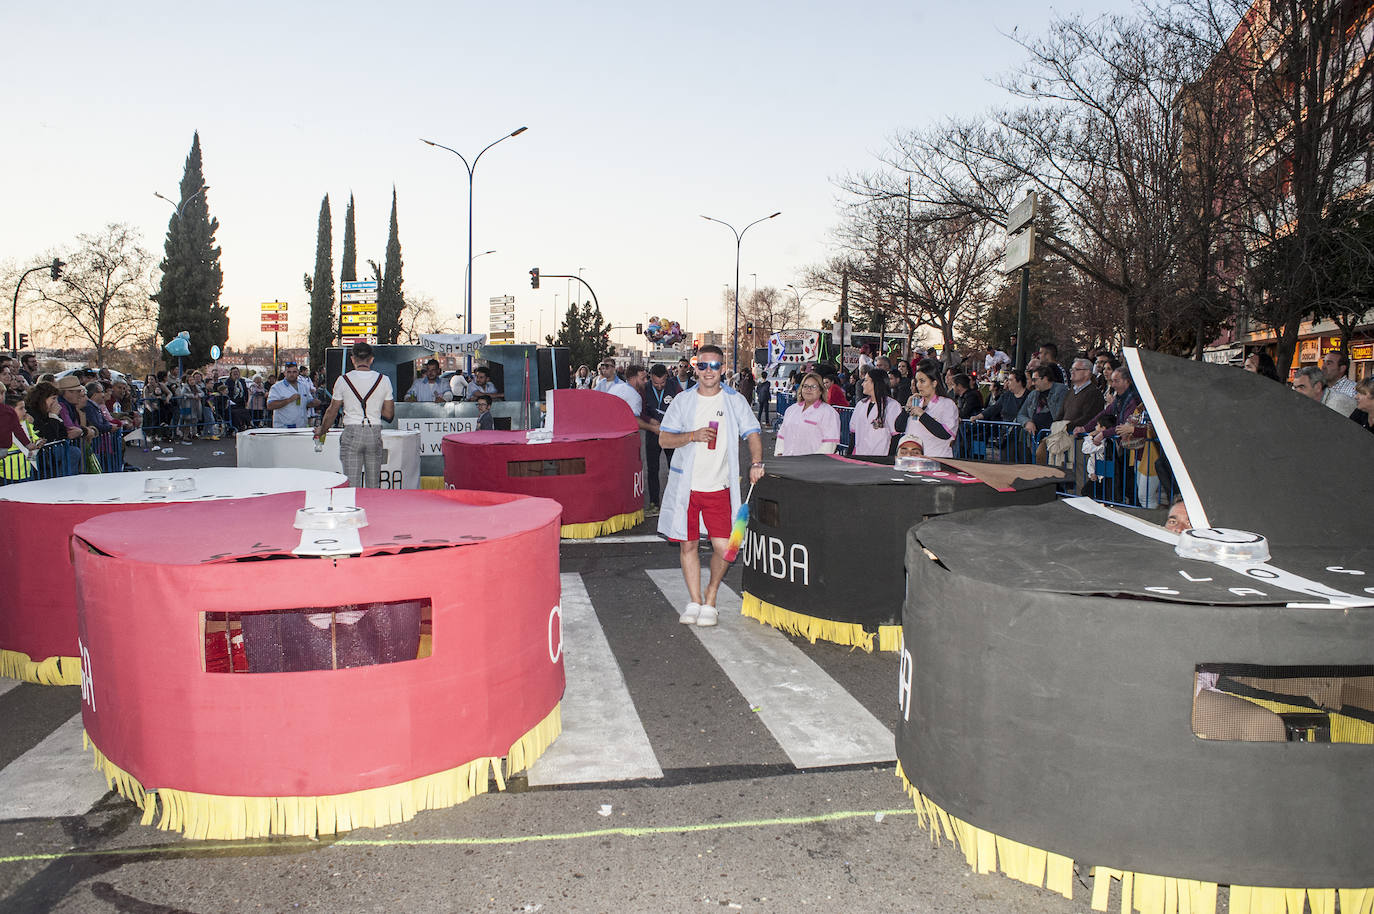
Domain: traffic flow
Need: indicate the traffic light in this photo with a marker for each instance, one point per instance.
(534, 277)
(57, 266)
(7, 339)
(749, 327)
(23, 340)
(639, 328)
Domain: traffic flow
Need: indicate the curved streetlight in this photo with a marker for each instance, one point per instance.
(182, 205)
(468, 266)
(471, 167)
(739, 239)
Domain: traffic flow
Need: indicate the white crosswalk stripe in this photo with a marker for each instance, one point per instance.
(812, 717)
(809, 715)
(54, 778)
(602, 739)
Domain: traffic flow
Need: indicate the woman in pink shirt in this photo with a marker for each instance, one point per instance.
(935, 419)
(810, 426)
(875, 417)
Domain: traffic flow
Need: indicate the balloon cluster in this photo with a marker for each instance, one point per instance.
(663, 332)
(180, 345)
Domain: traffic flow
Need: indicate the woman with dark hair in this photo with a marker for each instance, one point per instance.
(1262, 363)
(875, 415)
(935, 419)
(42, 404)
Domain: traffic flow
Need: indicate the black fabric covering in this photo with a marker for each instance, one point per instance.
(1063, 722)
(836, 549)
(1059, 549)
(1264, 458)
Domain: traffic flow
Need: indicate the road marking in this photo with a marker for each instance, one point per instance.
(812, 717)
(602, 738)
(7, 684)
(54, 778)
(602, 540)
(205, 848)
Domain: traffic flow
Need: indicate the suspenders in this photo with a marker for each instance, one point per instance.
(362, 398)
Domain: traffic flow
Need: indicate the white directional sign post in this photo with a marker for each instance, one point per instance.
(502, 319)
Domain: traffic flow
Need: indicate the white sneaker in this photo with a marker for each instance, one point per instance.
(689, 615)
(707, 616)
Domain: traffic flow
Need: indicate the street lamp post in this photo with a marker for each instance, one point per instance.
(739, 239)
(467, 271)
(472, 167)
(179, 207)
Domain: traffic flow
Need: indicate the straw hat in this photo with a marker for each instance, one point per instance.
(69, 382)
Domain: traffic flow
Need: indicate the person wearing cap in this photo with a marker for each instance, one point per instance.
(367, 400)
(289, 397)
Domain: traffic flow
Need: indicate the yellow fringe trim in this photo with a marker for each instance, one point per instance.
(203, 816)
(602, 528)
(52, 671)
(1142, 892)
(814, 628)
(431, 482)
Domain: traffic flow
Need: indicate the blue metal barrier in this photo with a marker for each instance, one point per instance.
(1131, 477)
(102, 454)
(995, 442)
(845, 413)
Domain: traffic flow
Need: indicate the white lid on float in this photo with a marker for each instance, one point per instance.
(166, 486)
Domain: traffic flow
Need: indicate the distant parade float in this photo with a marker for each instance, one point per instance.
(1168, 712)
(402, 652)
(823, 552)
(586, 458)
(38, 615)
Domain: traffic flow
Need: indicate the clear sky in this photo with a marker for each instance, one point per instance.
(641, 118)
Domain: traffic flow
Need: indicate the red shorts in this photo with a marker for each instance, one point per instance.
(714, 509)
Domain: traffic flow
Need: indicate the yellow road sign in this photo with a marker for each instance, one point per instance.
(274, 306)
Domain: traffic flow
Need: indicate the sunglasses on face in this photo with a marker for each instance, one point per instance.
(710, 366)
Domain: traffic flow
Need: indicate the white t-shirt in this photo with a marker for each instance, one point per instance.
(352, 405)
(709, 473)
(626, 391)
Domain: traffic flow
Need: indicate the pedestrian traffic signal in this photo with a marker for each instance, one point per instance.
(23, 340)
(639, 328)
(534, 278)
(57, 266)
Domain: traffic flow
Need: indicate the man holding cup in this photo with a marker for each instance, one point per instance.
(289, 397)
(703, 426)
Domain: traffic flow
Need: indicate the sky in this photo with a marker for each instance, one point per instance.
(642, 118)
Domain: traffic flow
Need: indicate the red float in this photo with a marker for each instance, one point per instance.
(235, 755)
(589, 464)
(38, 608)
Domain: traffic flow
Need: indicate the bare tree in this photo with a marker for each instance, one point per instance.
(419, 316)
(102, 299)
(1306, 68)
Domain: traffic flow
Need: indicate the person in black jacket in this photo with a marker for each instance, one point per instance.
(659, 392)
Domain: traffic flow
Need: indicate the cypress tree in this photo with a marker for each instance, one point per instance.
(322, 290)
(390, 301)
(348, 271)
(188, 296)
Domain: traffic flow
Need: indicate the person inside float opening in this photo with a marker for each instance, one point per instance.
(482, 384)
(427, 387)
(704, 426)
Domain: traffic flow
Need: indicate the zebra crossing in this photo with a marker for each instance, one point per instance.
(810, 716)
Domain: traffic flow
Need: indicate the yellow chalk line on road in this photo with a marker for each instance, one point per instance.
(627, 831)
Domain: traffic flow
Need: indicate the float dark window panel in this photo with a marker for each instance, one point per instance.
(567, 466)
(1299, 704)
(317, 637)
(769, 513)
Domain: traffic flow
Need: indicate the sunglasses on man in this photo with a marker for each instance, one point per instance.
(710, 366)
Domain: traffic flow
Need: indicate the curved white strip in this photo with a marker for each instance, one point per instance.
(1197, 515)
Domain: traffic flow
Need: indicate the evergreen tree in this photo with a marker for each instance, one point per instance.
(586, 334)
(322, 289)
(188, 297)
(390, 300)
(348, 270)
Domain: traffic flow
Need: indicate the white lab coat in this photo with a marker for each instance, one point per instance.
(739, 422)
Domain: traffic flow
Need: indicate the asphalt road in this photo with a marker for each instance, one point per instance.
(732, 823)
